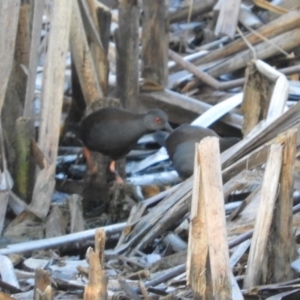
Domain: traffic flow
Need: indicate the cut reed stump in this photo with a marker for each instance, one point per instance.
(208, 269)
(279, 256)
(97, 286)
(42, 285)
(257, 255)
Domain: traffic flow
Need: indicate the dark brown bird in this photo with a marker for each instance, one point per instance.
(180, 145)
(114, 132)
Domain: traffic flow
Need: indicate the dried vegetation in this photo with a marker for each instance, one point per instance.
(228, 232)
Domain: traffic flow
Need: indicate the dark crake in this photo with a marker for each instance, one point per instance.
(180, 145)
(114, 132)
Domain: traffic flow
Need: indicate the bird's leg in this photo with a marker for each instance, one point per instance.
(91, 165)
(112, 168)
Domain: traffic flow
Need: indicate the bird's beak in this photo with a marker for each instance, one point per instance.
(168, 127)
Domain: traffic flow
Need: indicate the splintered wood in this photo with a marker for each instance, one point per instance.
(42, 288)
(264, 218)
(208, 268)
(279, 257)
(97, 286)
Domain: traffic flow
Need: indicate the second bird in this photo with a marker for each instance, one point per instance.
(180, 145)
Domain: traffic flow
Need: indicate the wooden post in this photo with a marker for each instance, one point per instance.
(52, 95)
(265, 214)
(208, 268)
(155, 42)
(128, 54)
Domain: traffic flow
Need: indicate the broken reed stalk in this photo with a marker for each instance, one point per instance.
(34, 38)
(249, 161)
(7, 182)
(244, 203)
(9, 18)
(261, 135)
(16, 88)
(179, 209)
(38, 7)
(204, 77)
(280, 256)
(76, 213)
(208, 270)
(265, 94)
(280, 90)
(24, 179)
(176, 102)
(198, 8)
(228, 18)
(269, 190)
(104, 22)
(241, 181)
(136, 213)
(8, 274)
(282, 24)
(22, 50)
(60, 240)
(236, 82)
(127, 46)
(97, 49)
(155, 42)
(97, 286)
(82, 57)
(42, 285)
(254, 105)
(286, 41)
(4, 195)
(56, 223)
(52, 96)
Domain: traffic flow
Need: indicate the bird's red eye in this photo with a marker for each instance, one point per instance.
(157, 120)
